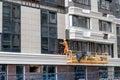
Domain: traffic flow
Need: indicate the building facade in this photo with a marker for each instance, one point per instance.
(30, 32)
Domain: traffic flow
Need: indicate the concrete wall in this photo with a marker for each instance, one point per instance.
(30, 30)
(94, 5)
(0, 17)
(61, 26)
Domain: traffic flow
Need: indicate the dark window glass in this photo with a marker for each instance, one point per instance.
(85, 2)
(3, 71)
(44, 31)
(118, 39)
(105, 26)
(19, 72)
(52, 18)
(15, 11)
(49, 1)
(103, 72)
(6, 27)
(44, 45)
(16, 28)
(11, 27)
(118, 30)
(6, 37)
(80, 72)
(48, 32)
(104, 4)
(79, 21)
(49, 72)
(52, 32)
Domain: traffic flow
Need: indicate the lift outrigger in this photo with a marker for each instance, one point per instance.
(82, 57)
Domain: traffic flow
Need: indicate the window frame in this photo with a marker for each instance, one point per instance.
(105, 26)
(84, 21)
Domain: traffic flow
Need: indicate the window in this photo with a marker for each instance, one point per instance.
(52, 18)
(49, 72)
(19, 72)
(80, 72)
(15, 11)
(33, 69)
(117, 8)
(118, 39)
(118, 29)
(51, 1)
(3, 71)
(79, 21)
(103, 72)
(104, 4)
(11, 27)
(116, 73)
(48, 32)
(77, 46)
(85, 2)
(105, 26)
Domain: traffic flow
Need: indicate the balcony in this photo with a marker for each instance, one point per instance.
(87, 35)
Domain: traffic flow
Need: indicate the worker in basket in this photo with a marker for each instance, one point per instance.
(65, 46)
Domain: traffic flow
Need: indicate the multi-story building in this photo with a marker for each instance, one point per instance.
(30, 32)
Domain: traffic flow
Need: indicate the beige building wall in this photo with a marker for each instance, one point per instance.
(94, 5)
(0, 17)
(94, 23)
(30, 30)
(61, 25)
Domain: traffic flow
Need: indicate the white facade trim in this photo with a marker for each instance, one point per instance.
(45, 59)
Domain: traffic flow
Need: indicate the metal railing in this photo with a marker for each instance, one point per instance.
(62, 76)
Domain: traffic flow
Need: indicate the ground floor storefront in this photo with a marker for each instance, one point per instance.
(58, 72)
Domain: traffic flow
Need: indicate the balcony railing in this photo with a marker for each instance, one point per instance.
(63, 76)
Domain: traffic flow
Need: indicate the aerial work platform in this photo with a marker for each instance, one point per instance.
(83, 57)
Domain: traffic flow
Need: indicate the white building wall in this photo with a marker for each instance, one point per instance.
(30, 30)
(0, 17)
(94, 5)
(61, 25)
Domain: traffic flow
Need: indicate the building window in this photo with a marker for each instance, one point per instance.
(88, 47)
(79, 21)
(118, 39)
(50, 1)
(80, 72)
(105, 26)
(49, 72)
(85, 2)
(117, 73)
(19, 72)
(11, 27)
(52, 18)
(117, 8)
(103, 72)
(3, 72)
(104, 4)
(48, 32)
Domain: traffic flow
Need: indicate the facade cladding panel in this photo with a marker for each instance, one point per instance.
(34, 28)
(30, 30)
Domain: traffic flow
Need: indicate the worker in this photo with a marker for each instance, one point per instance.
(65, 46)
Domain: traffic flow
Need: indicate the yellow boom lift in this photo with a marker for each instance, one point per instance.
(82, 57)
